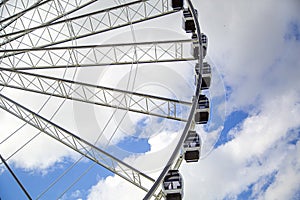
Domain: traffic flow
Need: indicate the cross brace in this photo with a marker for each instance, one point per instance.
(97, 55)
(76, 143)
(110, 97)
(52, 33)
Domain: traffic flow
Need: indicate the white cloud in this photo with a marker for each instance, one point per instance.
(288, 178)
(247, 53)
(114, 188)
(260, 148)
(76, 195)
(245, 41)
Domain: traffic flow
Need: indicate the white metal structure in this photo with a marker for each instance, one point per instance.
(56, 35)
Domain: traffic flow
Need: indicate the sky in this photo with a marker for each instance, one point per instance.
(251, 144)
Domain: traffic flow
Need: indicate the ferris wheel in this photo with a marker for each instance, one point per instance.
(49, 56)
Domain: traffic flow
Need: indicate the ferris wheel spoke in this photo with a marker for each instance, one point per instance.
(41, 14)
(77, 27)
(97, 55)
(76, 143)
(10, 7)
(93, 94)
(13, 17)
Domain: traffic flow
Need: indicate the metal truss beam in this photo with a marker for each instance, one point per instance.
(36, 13)
(49, 34)
(79, 145)
(5, 21)
(12, 7)
(115, 98)
(97, 55)
(42, 13)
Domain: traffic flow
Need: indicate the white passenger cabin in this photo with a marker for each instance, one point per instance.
(195, 45)
(204, 41)
(192, 147)
(188, 23)
(173, 185)
(202, 110)
(206, 75)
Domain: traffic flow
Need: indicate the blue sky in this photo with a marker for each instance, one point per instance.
(254, 129)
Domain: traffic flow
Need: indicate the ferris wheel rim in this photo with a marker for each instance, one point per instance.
(171, 161)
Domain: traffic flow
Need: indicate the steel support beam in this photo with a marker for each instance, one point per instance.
(88, 93)
(97, 55)
(80, 26)
(76, 143)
